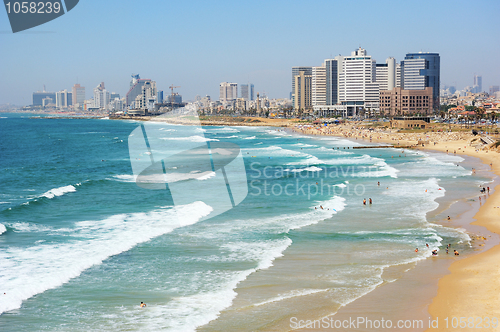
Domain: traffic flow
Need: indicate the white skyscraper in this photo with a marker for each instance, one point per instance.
(101, 96)
(63, 99)
(228, 92)
(319, 85)
(357, 84)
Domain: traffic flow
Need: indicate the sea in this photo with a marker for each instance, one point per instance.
(82, 244)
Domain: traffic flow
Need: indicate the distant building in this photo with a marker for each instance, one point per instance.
(38, 98)
(406, 102)
(478, 83)
(303, 91)
(64, 99)
(136, 85)
(114, 95)
(295, 72)
(228, 92)
(247, 91)
(117, 104)
(493, 89)
(244, 93)
(177, 98)
(101, 97)
(159, 96)
(422, 70)
(147, 98)
(331, 79)
(386, 75)
(318, 85)
(78, 95)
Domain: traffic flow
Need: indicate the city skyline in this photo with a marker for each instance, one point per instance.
(95, 43)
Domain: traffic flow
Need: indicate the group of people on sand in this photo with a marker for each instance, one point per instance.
(435, 251)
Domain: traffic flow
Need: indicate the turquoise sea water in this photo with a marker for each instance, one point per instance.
(81, 245)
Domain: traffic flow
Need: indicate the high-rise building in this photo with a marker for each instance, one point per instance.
(386, 74)
(295, 72)
(303, 91)
(357, 86)
(478, 83)
(39, 96)
(64, 99)
(252, 92)
(422, 70)
(147, 98)
(159, 96)
(228, 92)
(78, 95)
(331, 77)
(318, 85)
(493, 89)
(101, 96)
(244, 93)
(136, 85)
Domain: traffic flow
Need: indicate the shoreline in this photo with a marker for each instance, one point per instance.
(469, 286)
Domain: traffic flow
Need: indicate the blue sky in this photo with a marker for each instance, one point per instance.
(198, 44)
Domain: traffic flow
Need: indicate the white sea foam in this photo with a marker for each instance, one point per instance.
(232, 136)
(32, 270)
(222, 130)
(124, 177)
(29, 227)
(58, 191)
(380, 169)
(200, 176)
(250, 137)
(3, 229)
(303, 145)
(307, 169)
(194, 138)
(291, 294)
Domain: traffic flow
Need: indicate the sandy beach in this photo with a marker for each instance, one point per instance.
(471, 289)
